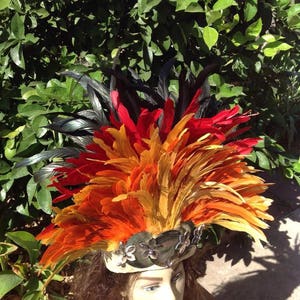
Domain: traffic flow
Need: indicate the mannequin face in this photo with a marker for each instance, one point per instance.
(159, 284)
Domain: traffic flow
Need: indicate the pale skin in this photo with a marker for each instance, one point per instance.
(159, 284)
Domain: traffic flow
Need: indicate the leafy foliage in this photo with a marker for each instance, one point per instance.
(26, 275)
(255, 43)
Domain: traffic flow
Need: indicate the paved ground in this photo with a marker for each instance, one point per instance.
(246, 271)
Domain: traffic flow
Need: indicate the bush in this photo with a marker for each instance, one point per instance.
(254, 43)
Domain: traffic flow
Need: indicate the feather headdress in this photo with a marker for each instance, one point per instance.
(155, 173)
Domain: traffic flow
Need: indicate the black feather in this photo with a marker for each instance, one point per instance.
(80, 127)
(129, 96)
(188, 85)
(184, 96)
(48, 171)
(137, 83)
(154, 100)
(73, 126)
(101, 114)
(203, 75)
(89, 114)
(48, 155)
(163, 79)
(82, 141)
(99, 88)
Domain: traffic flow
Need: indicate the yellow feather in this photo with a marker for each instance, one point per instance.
(238, 224)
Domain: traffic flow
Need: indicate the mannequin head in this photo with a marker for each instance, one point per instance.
(93, 280)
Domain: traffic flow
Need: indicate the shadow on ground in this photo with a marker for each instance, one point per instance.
(279, 278)
(275, 275)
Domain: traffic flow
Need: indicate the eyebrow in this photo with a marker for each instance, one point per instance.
(150, 278)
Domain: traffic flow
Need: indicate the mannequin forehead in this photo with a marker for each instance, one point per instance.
(166, 283)
(160, 272)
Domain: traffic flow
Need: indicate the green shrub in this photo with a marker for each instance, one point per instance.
(255, 43)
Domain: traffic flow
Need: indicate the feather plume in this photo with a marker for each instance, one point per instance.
(151, 170)
(154, 181)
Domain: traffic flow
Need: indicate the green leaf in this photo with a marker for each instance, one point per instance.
(253, 46)
(31, 189)
(184, 4)
(18, 172)
(228, 26)
(9, 280)
(250, 10)
(222, 4)
(154, 48)
(30, 39)
(5, 186)
(270, 38)
(92, 58)
(58, 277)
(212, 15)
(27, 241)
(294, 10)
(263, 160)
(166, 43)
(42, 12)
(114, 52)
(215, 80)
(4, 4)
(33, 288)
(296, 167)
(15, 133)
(16, 54)
(17, 26)
(39, 124)
(28, 140)
(16, 5)
(146, 35)
(31, 110)
(282, 160)
(2, 195)
(297, 178)
(4, 166)
(145, 75)
(145, 6)
(228, 91)
(28, 92)
(9, 149)
(293, 16)
(173, 87)
(288, 173)
(210, 36)
(45, 200)
(238, 39)
(253, 30)
(22, 209)
(252, 156)
(7, 248)
(261, 143)
(194, 8)
(271, 49)
(283, 3)
(34, 295)
(195, 68)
